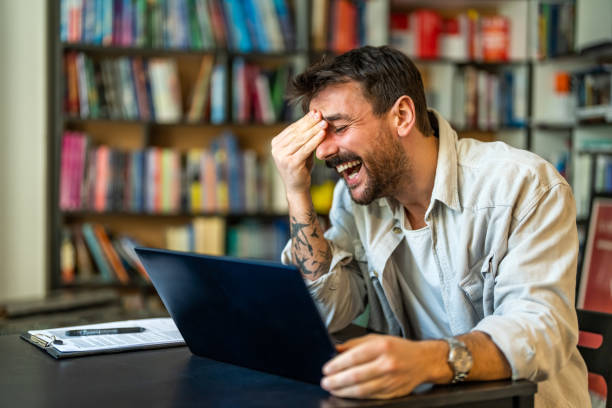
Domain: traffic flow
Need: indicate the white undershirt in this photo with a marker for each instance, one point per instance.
(419, 282)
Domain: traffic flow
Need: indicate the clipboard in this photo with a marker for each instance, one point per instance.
(157, 333)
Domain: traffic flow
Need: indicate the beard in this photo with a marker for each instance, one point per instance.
(386, 168)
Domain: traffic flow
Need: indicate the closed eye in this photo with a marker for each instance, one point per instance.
(340, 129)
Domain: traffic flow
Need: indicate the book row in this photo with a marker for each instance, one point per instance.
(468, 36)
(555, 28)
(150, 89)
(88, 253)
(247, 239)
(593, 90)
(583, 183)
(258, 94)
(341, 25)
(145, 89)
(241, 25)
(220, 179)
(489, 100)
(91, 253)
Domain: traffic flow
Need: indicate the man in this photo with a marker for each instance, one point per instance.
(463, 252)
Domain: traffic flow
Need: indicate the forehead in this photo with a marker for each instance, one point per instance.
(341, 98)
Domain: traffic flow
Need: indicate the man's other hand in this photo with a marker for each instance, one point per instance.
(293, 148)
(382, 366)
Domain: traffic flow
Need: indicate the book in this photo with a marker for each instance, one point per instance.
(495, 33)
(209, 235)
(84, 267)
(157, 333)
(111, 255)
(67, 257)
(319, 24)
(128, 245)
(241, 40)
(96, 251)
(201, 90)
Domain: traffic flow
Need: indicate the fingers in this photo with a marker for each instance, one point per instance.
(374, 388)
(354, 352)
(351, 343)
(299, 132)
(305, 151)
(360, 374)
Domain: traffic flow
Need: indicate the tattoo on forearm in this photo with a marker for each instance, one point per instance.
(310, 262)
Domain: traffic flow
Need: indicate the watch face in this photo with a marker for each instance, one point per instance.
(461, 359)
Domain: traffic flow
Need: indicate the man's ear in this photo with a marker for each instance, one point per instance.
(404, 117)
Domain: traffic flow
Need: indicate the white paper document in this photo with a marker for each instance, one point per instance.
(158, 332)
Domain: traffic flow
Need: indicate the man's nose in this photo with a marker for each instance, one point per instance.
(326, 148)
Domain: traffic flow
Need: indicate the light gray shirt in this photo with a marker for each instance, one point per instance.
(503, 231)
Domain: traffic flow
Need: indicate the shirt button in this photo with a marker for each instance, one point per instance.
(397, 230)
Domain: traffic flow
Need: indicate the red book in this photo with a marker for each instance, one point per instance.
(344, 26)
(495, 35)
(427, 26)
(400, 22)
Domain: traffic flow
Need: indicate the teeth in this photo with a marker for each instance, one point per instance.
(348, 165)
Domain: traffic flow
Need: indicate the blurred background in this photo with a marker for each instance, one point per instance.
(148, 122)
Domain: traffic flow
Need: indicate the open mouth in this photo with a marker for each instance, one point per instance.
(349, 170)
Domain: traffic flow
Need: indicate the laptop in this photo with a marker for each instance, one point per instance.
(250, 313)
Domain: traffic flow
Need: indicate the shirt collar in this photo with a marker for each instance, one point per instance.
(445, 187)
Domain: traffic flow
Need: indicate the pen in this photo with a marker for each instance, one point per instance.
(114, 330)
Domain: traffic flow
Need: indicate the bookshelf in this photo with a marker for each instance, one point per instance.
(521, 73)
(122, 130)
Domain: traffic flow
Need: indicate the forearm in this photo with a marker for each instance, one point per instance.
(489, 363)
(310, 252)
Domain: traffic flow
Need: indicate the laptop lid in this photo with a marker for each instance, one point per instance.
(250, 313)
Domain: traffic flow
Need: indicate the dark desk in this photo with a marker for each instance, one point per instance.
(176, 378)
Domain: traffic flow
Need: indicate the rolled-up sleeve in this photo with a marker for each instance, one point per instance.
(340, 293)
(534, 321)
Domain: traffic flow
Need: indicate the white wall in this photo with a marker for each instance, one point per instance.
(22, 148)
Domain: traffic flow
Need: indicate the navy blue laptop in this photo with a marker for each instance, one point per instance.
(255, 314)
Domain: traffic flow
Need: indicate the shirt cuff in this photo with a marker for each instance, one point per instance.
(512, 342)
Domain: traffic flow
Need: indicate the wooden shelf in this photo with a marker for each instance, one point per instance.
(163, 51)
(143, 287)
(557, 127)
(77, 119)
(115, 214)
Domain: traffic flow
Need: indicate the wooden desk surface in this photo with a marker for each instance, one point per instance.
(175, 378)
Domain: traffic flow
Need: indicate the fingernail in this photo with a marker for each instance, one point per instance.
(322, 123)
(324, 383)
(313, 113)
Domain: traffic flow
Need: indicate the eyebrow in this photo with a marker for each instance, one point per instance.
(336, 116)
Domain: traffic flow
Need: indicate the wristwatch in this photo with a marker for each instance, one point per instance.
(459, 359)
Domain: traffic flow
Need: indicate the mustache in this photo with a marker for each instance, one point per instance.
(335, 161)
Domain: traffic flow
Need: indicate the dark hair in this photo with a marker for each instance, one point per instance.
(384, 74)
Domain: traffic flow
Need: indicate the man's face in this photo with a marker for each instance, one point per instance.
(360, 145)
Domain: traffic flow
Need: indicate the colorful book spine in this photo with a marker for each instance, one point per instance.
(112, 258)
(97, 253)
